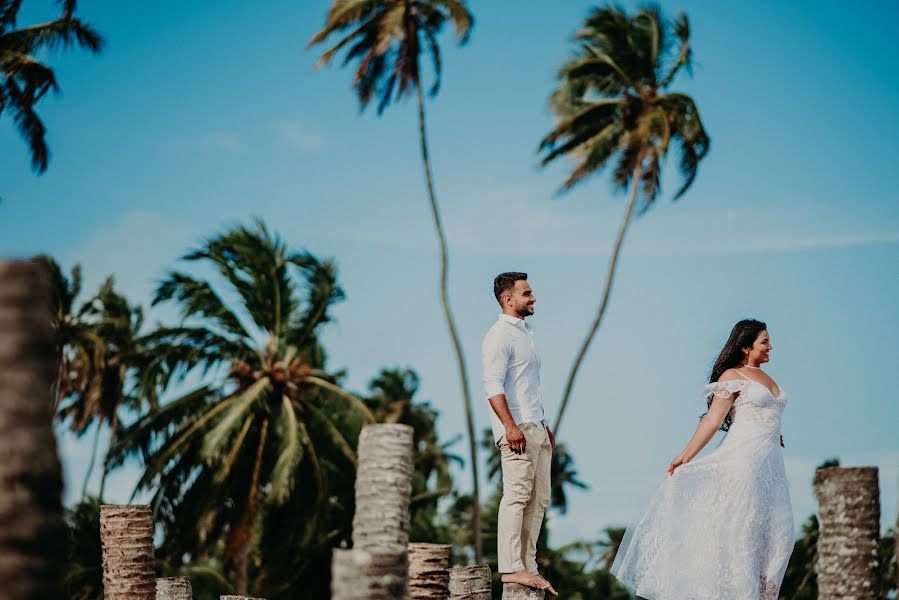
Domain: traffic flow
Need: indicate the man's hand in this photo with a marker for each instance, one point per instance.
(516, 440)
(552, 438)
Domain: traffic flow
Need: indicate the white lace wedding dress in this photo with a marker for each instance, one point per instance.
(720, 527)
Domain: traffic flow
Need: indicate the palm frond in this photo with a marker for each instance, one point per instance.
(339, 392)
(460, 16)
(213, 440)
(62, 33)
(197, 299)
(289, 454)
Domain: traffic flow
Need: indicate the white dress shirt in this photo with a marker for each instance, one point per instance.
(512, 367)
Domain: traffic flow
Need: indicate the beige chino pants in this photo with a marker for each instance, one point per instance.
(526, 488)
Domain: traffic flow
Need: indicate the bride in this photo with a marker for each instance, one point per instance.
(720, 527)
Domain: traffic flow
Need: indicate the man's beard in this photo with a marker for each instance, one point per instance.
(525, 311)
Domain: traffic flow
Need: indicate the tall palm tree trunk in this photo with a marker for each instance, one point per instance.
(113, 428)
(32, 531)
(849, 538)
(451, 324)
(90, 465)
(607, 292)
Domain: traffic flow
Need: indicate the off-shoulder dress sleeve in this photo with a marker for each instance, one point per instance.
(726, 388)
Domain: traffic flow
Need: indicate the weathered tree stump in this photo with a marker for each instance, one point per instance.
(368, 575)
(32, 531)
(174, 588)
(383, 488)
(516, 591)
(429, 571)
(470, 583)
(849, 537)
(126, 534)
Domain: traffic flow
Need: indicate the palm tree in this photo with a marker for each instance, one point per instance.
(24, 79)
(257, 431)
(96, 346)
(387, 38)
(32, 537)
(613, 105)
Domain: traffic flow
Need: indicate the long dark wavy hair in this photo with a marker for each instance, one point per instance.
(743, 335)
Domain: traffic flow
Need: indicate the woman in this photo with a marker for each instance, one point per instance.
(720, 527)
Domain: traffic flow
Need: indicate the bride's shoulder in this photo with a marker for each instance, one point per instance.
(730, 375)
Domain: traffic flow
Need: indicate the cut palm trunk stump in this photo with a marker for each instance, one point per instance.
(429, 571)
(32, 530)
(516, 591)
(174, 588)
(849, 535)
(368, 575)
(126, 533)
(383, 488)
(470, 583)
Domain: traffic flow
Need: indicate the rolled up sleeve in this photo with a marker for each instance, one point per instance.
(495, 361)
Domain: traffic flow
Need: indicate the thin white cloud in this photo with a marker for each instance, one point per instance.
(515, 221)
(223, 141)
(296, 134)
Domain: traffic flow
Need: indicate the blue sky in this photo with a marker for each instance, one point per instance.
(199, 115)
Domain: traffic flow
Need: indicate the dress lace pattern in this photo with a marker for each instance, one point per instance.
(722, 525)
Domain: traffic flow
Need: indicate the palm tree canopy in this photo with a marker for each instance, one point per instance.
(262, 425)
(97, 343)
(613, 104)
(24, 79)
(386, 37)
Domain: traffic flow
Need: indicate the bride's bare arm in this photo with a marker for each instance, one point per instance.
(706, 429)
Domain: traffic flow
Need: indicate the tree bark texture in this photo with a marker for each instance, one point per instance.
(516, 591)
(126, 534)
(174, 588)
(470, 583)
(429, 571)
(32, 530)
(848, 542)
(383, 488)
(369, 575)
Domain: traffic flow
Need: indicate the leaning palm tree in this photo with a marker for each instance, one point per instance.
(387, 38)
(256, 430)
(24, 79)
(613, 106)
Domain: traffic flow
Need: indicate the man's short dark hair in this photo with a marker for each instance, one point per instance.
(505, 282)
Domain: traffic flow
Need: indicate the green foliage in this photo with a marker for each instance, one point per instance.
(84, 573)
(97, 344)
(24, 79)
(612, 105)
(267, 428)
(386, 38)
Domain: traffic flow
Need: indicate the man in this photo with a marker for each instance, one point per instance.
(512, 385)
